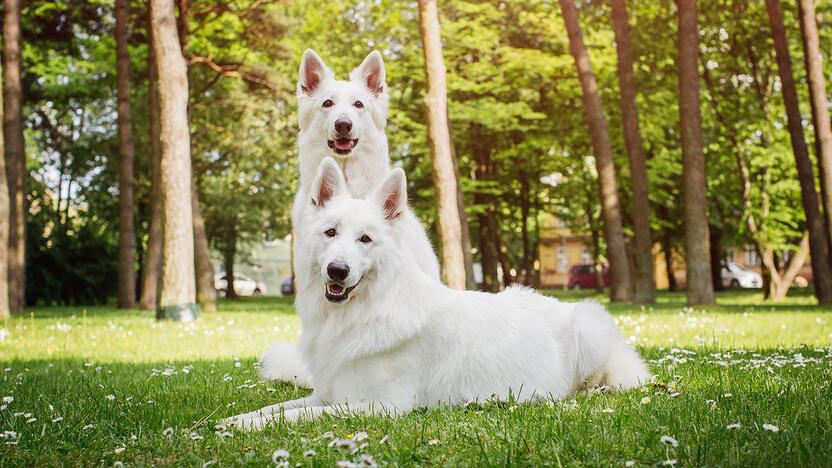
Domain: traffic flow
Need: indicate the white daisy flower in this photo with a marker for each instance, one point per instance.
(671, 462)
(630, 463)
(668, 440)
(88, 427)
(310, 453)
(733, 426)
(8, 399)
(434, 442)
(280, 455)
(195, 436)
(118, 450)
(645, 400)
(727, 395)
(58, 419)
(110, 397)
(771, 427)
(168, 432)
(359, 436)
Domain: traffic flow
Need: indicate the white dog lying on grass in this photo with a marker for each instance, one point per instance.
(382, 337)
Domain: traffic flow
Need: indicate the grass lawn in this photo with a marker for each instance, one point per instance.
(741, 383)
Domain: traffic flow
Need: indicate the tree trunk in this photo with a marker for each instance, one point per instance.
(5, 311)
(206, 294)
(716, 257)
(644, 291)
(697, 246)
(126, 230)
(597, 267)
(820, 107)
(489, 253)
(152, 269)
(15, 155)
(525, 208)
(818, 241)
(177, 296)
(439, 140)
(470, 282)
(229, 257)
(619, 270)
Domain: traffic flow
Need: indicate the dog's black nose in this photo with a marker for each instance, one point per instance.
(343, 126)
(337, 271)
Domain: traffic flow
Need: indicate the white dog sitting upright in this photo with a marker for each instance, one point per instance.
(383, 337)
(344, 120)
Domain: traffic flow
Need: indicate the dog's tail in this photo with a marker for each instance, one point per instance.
(282, 362)
(603, 355)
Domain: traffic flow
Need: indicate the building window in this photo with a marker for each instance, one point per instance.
(562, 260)
(751, 258)
(586, 256)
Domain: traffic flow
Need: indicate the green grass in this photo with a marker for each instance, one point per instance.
(98, 386)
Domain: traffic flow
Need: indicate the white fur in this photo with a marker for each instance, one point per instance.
(283, 362)
(363, 168)
(404, 340)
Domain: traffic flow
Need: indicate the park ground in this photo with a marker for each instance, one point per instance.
(741, 383)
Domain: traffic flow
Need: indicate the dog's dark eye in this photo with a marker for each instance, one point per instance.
(358, 104)
(330, 232)
(328, 103)
(365, 239)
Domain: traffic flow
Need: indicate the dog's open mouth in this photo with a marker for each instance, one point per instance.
(337, 292)
(342, 145)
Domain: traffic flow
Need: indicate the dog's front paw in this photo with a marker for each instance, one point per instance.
(247, 422)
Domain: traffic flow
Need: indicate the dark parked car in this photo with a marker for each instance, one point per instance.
(288, 287)
(583, 277)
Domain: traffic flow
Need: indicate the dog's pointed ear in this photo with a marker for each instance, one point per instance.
(371, 73)
(329, 183)
(313, 71)
(391, 195)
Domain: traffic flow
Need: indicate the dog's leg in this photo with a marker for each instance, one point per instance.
(258, 419)
(345, 409)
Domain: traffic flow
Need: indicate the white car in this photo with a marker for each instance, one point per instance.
(735, 276)
(243, 285)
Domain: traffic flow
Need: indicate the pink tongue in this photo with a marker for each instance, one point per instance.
(336, 289)
(343, 143)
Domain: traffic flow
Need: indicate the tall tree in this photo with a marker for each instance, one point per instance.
(820, 106)
(697, 242)
(644, 291)
(178, 295)
(4, 228)
(619, 271)
(127, 230)
(15, 155)
(152, 268)
(818, 244)
(439, 140)
(206, 294)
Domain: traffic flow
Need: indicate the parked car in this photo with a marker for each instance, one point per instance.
(288, 287)
(735, 276)
(583, 277)
(243, 285)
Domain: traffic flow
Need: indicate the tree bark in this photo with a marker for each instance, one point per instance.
(177, 296)
(619, 270)
(5, 311)
(820, 107)
(206, 294)
(229, 257)
(818, 242)
(644, 290)
(126, 230)
(699, 289)
(439, 140)
(716, 257)
(489, 253)
(470, 282)
(15, 154)
(152, 269)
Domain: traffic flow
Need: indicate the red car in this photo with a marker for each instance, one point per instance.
(583, 277)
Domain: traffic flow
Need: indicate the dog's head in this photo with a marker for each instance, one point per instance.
(339, 113)
(349, 240)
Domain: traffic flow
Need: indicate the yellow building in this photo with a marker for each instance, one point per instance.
(559, 249)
